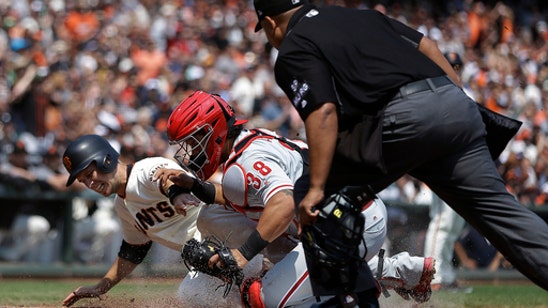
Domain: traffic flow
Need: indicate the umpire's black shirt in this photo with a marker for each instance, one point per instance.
(356, 58)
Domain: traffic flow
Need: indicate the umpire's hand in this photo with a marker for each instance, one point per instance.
(82, 292)
(307, 213)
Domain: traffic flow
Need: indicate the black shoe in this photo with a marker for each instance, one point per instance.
(338, 301)
(330, 303)
(368, 298)
(363, 299)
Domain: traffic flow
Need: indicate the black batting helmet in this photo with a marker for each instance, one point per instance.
(88, 149)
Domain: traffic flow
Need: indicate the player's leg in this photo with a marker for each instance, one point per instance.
(201, 290)
(410, 276)
(286, 284)
(375, 228)
(443, 230)
(227, 225)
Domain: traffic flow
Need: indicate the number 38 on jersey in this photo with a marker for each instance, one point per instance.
(262, 169)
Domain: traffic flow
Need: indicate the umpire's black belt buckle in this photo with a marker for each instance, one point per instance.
(422, 85)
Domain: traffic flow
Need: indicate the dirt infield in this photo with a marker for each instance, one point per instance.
(161, 293)
(132, 292)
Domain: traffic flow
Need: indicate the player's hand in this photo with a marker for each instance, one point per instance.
(164, 174)
(307, 213)
(178, 177)
(81, 292)
(215, 260)
(183, 202)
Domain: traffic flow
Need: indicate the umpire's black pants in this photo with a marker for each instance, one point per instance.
(438, 137)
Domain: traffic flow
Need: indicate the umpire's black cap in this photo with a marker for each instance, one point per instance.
(273, 7)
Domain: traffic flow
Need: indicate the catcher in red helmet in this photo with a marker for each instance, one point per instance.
(259, 170)
(200, 125)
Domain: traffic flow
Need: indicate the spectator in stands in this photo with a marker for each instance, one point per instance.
(474, 251)
(206, 46)
(30, 226)
(97, 231)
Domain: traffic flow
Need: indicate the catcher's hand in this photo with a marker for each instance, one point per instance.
(196, 255)
(184, 179)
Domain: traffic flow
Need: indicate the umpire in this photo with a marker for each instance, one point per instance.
(380, 100)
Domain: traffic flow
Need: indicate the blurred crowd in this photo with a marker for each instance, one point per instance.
(118, 67)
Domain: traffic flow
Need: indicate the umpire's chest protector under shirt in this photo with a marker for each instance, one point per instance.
(356, 58)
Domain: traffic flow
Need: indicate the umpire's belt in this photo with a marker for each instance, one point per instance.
(422, 85)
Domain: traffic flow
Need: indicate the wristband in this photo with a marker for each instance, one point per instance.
(174, 190)
(204, 190)
(253, 245)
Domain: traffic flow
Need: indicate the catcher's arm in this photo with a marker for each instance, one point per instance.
(277, 215)
(274, 221)
(206, 191)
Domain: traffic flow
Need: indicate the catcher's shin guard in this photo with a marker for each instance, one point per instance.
(251, 293)
(332, 243)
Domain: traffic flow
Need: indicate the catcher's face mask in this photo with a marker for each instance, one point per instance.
(332, 243)
(192, 151)
(200, 125)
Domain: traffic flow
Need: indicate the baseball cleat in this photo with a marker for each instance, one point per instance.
(421, 293)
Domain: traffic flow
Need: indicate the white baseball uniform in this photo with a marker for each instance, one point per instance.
(146, 214)
(260, 165)
(443, 230)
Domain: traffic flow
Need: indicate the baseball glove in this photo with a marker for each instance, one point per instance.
(197, 254)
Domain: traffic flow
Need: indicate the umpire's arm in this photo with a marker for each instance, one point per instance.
(321, 132)
(431, 50)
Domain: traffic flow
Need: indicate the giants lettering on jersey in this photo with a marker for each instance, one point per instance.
(150, 216)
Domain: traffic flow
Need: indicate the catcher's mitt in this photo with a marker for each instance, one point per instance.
(197, 254)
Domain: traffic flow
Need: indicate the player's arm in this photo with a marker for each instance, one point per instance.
(175, 182)
(321, 133)
(128, 258)
(277, 215)
(118, 271)
(431, 50)
(275, 219)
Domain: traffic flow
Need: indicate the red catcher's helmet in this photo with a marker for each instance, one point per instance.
(200, 126)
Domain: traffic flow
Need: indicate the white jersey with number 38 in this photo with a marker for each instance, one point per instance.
(260, 165)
